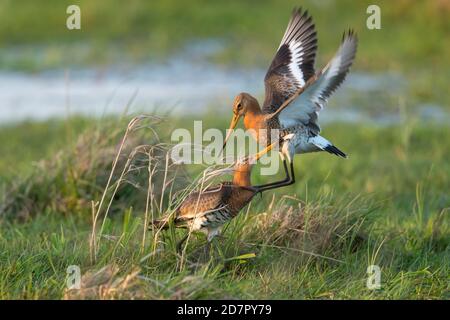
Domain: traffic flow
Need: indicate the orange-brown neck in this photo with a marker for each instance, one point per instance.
(242, 175)
(254, 118)
(241, 196)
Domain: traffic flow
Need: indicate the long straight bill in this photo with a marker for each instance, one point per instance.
(233, 124)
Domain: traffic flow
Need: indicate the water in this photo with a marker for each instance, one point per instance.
(176, 86)
(186, 84)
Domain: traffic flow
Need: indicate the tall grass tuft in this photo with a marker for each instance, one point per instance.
(68, 181)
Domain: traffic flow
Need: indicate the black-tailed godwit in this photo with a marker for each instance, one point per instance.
(209, 210)
(295, 94)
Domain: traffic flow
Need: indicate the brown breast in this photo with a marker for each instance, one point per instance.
(239, 198)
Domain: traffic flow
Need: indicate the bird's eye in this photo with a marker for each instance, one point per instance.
(239, 106)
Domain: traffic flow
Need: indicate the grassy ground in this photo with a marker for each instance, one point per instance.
(387, 205)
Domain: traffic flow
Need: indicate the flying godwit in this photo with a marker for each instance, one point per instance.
(295, 94)
(209, 210)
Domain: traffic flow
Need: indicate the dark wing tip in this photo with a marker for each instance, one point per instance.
(350, 35)
(349, 44)
(306, 14)
(298, 11)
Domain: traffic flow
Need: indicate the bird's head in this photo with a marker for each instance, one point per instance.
(243, 104)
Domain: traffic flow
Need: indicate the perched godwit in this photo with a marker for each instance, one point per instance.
(209, 210)
(295, 94)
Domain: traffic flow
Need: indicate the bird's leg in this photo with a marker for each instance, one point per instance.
(290, 179)
(283, 157)
(218, 245)
(210, 237)
(220, 236)
(286, 171)
(207, 249)
(287, 181)
(292, 172)
(180, 244)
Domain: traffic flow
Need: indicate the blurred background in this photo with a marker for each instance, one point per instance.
(196, 56)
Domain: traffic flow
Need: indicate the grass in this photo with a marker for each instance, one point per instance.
(386, 205)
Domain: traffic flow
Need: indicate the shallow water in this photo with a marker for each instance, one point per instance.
(186, 84)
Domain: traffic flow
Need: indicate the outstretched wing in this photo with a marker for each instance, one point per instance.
(305, 105)
(293, 64)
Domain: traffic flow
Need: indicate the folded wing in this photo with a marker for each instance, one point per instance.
(200, 203)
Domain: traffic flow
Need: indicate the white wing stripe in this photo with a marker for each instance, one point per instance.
(306, 107)
(296, 50)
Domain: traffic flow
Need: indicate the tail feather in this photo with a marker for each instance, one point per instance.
(334, 150)
(323, 144)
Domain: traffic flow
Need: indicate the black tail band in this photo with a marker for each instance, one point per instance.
(334, 150)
